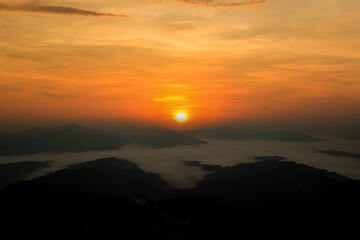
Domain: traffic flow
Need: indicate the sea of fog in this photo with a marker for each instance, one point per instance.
(168, 162)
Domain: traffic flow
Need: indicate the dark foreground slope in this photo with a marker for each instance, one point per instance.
(275, 200)
(87, 200)
(13, 172)
(114, 199)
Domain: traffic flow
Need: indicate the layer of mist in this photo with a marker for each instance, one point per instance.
(169, 162)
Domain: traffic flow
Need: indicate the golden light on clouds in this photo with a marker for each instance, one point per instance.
(275, 60)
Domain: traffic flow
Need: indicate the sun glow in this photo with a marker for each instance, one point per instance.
(181, 117)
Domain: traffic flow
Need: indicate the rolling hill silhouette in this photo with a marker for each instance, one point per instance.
(353, 135)
(267, 158)
(246, 134)
(69, 137)
(14, 172)
(85, 200)
(158, 137)
(272, 200)
(263, 181)
(339, 153)
(75, 138)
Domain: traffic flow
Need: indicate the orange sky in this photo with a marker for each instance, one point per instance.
(145, 60)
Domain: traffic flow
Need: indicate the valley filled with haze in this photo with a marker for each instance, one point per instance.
(169, 162)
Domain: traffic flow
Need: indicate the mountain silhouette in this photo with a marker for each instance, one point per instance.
(339, 153)
(262, 180)
(158, 137)
(247, 134)
(75, 138)
(267, 158)
(69, 137)
(272, 200)
(353, 135)
(112, 198)
(108, 176)
(84, 200)
(14, 172)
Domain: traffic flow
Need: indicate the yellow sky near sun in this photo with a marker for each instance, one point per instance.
(279, 59)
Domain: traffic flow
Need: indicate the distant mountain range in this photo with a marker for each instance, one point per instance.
(269, 158)
(70, 137)
(157, 137)
(230, 133)
(75, 138)
(339, 153)
(354, 135)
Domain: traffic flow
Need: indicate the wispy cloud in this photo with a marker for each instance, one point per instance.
(171, 99)
(224, 3)
(52, 9)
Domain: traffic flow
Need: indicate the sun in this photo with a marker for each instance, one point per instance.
(181, 117)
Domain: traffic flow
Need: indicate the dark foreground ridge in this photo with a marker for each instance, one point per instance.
(112, 198)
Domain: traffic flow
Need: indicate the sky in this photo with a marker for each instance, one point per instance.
(142, 61)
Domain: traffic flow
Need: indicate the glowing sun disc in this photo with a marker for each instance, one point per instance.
(181, 117)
